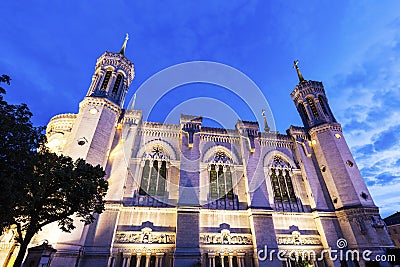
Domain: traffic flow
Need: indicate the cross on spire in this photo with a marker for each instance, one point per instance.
(122, 52)
(295, 66)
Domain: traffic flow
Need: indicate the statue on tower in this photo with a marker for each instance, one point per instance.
(266, 127)
(295, 66)
(122, 52)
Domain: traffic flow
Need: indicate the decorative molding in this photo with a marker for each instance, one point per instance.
(270, 157)
(161, 130)
(297, 239)
(210, 153)
(335, 127)
(141, 250)
(169, 150)
(146, 236)
(119, 61)
(283, 143)
(113, 206)
(225, 238)
(307, 88)
(60, 123)
(219, 138)
(132, 117)
(99, 102)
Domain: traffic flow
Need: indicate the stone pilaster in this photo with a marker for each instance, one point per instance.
(187, 250)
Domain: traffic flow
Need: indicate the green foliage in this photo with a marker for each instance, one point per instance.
(58, 188)
(19, 142)
(40, 187)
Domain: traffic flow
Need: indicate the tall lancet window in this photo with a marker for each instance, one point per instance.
(106, 80)
(303, 111)
(154, 173)
(322, 103)
(117, 84)
(220, 169)
(282, 185)
(311, 103)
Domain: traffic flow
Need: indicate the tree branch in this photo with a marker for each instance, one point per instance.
(20, 238)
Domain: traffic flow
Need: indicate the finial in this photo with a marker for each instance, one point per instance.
(301, 79)
(133, 102)
(124, 45)
(266, 127)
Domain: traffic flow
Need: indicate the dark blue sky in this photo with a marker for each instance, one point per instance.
(50, 50)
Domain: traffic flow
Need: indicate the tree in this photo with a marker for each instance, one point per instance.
(42, 187)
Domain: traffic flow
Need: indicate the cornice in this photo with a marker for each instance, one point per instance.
(335, 127)
(99, 102)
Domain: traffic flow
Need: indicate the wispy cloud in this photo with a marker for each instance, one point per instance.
(367, 103)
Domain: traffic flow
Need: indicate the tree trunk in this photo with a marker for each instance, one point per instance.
(23, 248)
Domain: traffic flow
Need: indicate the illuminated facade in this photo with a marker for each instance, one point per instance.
(188, 195)
(393, 225)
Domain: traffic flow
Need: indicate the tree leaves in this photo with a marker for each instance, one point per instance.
(40, 187)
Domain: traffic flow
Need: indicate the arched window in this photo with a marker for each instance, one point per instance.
(221, 182)
(311, 103)
(303, 112)
(221, 185)
(117, 84)
(282, 185)
(106, 80)
(322, 103)
(154, 173)
(153, 178)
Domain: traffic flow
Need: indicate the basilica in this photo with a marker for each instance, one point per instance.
(189, 195)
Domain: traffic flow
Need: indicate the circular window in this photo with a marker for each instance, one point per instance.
(338, 136)
(82, 141)
(335, 200)
(323, 168)
(93, 111)
(364, 195)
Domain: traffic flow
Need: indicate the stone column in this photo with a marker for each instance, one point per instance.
(138, 258)
(159, 259)
(222, 260)
(127, 260)
(309, 112)
(148, 255)
(230, 260)
(211, 259)
(319, 108)
(170, 260)
(111, 82)
(240, 259)
(111, 261)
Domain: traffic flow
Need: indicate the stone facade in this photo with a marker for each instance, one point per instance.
(189, 195)
(393, 225)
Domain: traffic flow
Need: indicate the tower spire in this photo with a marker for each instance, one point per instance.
(301, 79)
(122, 52)
(266, 127)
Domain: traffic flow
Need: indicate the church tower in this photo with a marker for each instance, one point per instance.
(358, 216)
(90, 133)
(94, 127)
